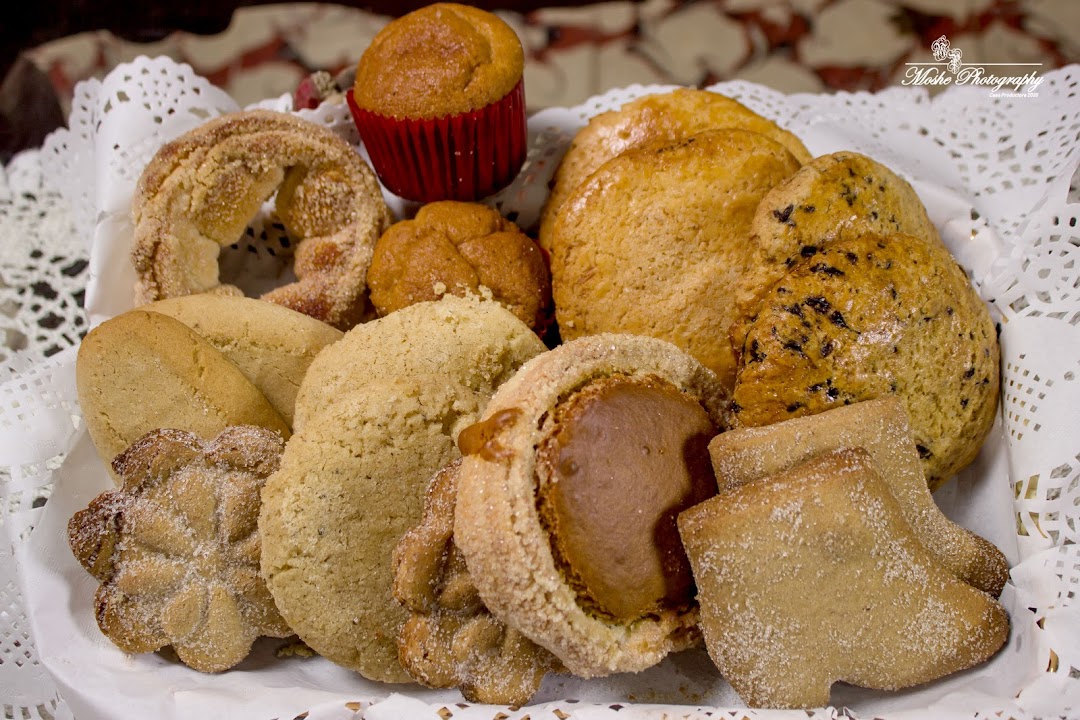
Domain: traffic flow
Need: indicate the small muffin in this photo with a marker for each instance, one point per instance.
(439, 102)
(460, 248)
(568, 494)
(868, 317)
(665, 118)
(655, 241)
(376, 417)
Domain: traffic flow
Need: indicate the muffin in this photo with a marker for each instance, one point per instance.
(440, 104)
(461, 248)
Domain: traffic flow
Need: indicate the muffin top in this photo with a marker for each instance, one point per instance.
(440, 60)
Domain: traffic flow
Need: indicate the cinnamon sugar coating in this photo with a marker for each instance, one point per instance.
(450, 638)
(440, 60)
(200, 191)
(460, 248)
(176, 547)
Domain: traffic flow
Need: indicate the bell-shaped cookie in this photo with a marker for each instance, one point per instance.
(813, 576)
(880, 427)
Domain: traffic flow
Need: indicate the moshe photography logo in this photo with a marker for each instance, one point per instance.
(949, 69)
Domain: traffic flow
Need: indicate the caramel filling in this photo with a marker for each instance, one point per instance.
(625, 458)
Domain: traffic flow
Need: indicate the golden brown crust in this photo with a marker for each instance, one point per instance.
(812, 576)
(654, 119)
(440, 60)
(200, 191)
(143, 370)
(450, 639)
(655, 241)
(460, 248)
(867, 317)
(176, 548)
(880, 427)
(499, 530)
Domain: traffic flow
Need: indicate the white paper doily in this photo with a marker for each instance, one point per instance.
(998, 176)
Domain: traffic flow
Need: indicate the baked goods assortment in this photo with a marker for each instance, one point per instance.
(765, 362)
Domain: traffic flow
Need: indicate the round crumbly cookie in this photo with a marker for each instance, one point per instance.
(830, 198)
(460, 248)
(377, 415)
(868, 316)
(141, 371)
(271, 344)
(200, 191)
(540, 559)
(664, 119)
(655, 241)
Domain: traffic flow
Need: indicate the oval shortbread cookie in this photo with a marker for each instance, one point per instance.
(141, 371)
(271, 344)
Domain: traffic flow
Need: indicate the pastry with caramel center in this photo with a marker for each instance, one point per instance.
(568, 494)
(625, 448)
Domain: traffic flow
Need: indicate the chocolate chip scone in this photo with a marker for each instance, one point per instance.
(870, 316)
(830, 198)
(176, 548)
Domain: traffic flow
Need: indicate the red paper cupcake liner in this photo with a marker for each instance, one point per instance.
(466, 156)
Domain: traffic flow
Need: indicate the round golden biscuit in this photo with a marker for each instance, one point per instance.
(200, 191)
(377, 415)
(460, 248)
(830, 198)
(442, 59)
(664, 119)
(141, 371)
(568, 493)
(270, 344)
(870, 316)
(655, 241)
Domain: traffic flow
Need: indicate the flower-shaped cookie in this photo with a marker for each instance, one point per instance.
(176, 547)
(450, 638)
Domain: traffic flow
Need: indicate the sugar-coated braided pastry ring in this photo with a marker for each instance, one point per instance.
(200, 191)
